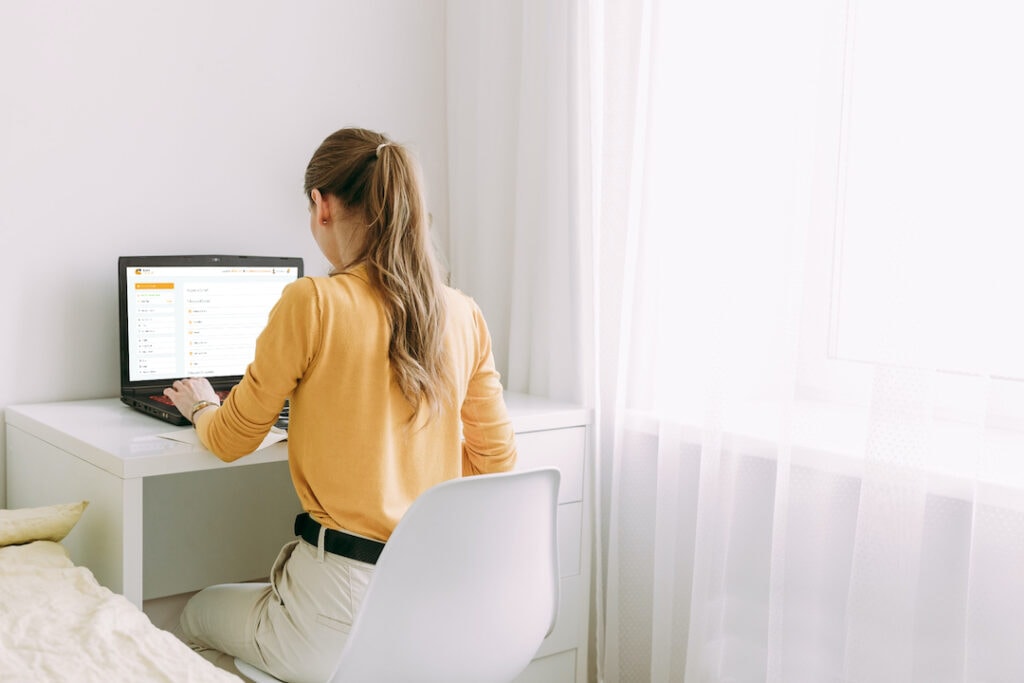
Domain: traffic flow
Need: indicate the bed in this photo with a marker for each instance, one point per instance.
(57, 623)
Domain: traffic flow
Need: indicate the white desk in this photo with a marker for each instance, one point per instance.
(166, 518)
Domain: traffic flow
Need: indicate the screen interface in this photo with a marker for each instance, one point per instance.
(198, 321)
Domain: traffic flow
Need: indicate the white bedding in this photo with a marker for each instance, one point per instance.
(58, 624)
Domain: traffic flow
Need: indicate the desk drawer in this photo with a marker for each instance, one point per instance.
(561, 448)
(570, 538)
(573, 611)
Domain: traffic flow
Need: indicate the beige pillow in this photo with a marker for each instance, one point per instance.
(49, 523)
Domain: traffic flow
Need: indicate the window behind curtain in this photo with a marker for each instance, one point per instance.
(930, 222)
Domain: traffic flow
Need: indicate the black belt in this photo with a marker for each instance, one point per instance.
(338, 542)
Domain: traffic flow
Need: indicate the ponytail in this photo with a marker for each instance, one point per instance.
(381, 178)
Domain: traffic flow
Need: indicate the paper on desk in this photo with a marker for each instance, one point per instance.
(188, 435)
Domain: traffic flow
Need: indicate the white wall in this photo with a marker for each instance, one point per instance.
(180, 127)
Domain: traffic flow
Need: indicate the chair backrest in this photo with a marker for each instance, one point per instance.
(466, 588)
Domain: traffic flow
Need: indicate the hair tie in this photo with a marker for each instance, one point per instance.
(381, 145)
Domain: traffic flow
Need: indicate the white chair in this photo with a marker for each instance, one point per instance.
(465, 589)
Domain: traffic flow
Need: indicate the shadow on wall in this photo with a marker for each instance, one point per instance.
(62, 344)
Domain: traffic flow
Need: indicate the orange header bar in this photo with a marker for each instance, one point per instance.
(154, 285)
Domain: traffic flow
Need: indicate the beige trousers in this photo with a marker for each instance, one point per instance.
(294, 627)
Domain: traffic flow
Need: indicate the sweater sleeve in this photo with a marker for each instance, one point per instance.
(286, 347)
(489, 442)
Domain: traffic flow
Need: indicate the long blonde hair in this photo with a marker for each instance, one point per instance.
(381, 179)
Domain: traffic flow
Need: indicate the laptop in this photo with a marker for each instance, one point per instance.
(193, 316)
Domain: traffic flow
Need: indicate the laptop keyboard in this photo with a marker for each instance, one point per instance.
(282, 419)
(160, 398)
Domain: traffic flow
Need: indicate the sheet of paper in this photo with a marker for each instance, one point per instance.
(188, 435)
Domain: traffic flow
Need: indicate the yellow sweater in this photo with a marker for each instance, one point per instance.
(355, 462)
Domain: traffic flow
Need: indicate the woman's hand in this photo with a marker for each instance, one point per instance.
(186, 393)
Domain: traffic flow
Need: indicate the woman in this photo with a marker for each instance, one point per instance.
(393, 389)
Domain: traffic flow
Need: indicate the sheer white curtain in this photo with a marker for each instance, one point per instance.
(777, 515)
(515, 151)
(667, 199)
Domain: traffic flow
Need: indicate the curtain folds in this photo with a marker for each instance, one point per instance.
(645, 208)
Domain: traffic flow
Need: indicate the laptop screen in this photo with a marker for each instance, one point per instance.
(195, 316)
